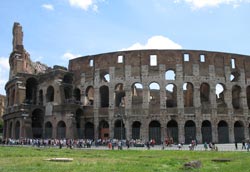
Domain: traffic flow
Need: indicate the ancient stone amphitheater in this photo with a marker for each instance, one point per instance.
(143, 94)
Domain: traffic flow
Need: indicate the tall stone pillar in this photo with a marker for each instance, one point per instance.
(231, 132)
(214, 132)
(198, 131)
(181, 131)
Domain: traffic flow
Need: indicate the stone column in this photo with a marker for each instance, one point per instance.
(214, 132)
(181, 131)
(231, 132)
(198, 131)
(127, 129)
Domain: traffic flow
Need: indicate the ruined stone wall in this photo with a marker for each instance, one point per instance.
(202, 71)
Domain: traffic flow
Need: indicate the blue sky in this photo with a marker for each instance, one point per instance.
(58, 30)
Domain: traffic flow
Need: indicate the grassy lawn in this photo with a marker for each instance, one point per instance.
(27, 159)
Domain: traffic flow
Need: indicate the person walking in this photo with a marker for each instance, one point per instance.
(236, 145)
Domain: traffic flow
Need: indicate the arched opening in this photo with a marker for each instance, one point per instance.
(239, 131)
(77, 95)
(90, 96)
(48, 130)
(137, 95)
(154, 97)
(220, 92)
(188, 91)
(104, 76)
(170, 75)
(172, 131)
(204, 94)
(136, 129)
(68, 78)
(40, 97)
(50, 94)
(61, 130)
(234, 76)
(79, 123)
(248, 97)
(155, 131)
(206, 131)
(37, 123)
(17, 130)
(236, 101)
(104, 96)
(67, 86)
(190, 131)
(31, 91)
(223, 134)
(104, 130)
(119, 131)
(171, 96)
(89, 130)
(119, 95)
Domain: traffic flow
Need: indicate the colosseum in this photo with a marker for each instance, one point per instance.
(140, 94)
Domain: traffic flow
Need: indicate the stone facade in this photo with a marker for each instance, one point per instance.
(2, 104)
(142, 94)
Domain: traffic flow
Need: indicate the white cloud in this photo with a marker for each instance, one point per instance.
(86, 4)
(4, 73)
(197, 4)
(68, 56)
(48, 7)
(83, 4)
(155, 42)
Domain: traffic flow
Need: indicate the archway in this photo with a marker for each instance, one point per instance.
(104, 96)
(50, 94)
(104, 130)
(188, 91)
(239, 131)
(206, 131)
(155, 131)
(172, 131)
(31, 90)
(119, 131)
(236, 100)
(190, 131)
(223, 134)
(171, 96)
(90, 96)
(136, 127)
(119, 95)
(61, 130)
(137, 95)
(89, 130)
(37, 123)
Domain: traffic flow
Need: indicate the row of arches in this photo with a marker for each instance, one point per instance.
(155, 131)
(137, 93)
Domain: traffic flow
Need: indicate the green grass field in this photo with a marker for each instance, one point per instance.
(27, 159)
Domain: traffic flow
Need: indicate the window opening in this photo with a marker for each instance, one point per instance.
(91, 63)
(233, 63)
(120, 59)
(153, 60)
(186, 57)
(202, 58)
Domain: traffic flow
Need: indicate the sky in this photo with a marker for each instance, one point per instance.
(58, 30)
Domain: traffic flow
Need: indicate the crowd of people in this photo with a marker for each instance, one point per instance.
(111, 143)
(76, 143)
